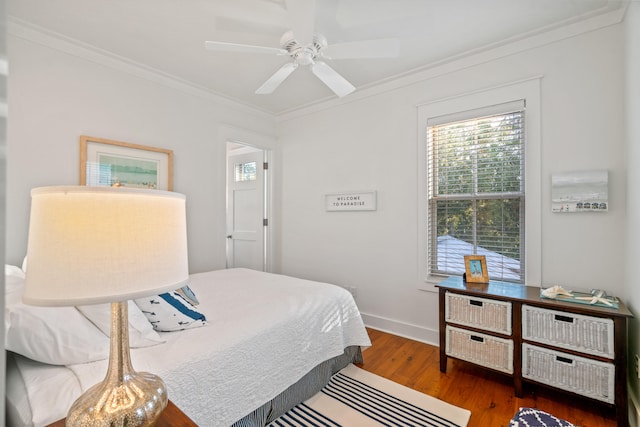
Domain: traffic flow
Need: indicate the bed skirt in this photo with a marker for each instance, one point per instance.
(306, 387)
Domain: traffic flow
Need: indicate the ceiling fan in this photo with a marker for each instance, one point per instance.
(306, 47)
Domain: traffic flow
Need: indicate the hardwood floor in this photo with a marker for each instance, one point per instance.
(489, 396)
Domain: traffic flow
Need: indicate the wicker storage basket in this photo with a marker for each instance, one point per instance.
(484, 350)
(591, 378)
(480, 313)
(586, 334)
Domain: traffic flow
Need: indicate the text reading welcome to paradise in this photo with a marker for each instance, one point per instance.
(351, 201)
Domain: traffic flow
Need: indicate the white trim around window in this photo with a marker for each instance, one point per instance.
(529, 90)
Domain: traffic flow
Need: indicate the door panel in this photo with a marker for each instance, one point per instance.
(245, 201)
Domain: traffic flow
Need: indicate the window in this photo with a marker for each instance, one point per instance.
(476, 190)
(245, 172)
(466, 106)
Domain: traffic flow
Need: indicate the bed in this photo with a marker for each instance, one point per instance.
(269, 341)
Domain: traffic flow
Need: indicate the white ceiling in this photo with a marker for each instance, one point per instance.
(168, 36)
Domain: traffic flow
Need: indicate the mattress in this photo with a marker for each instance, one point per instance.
(264, 333)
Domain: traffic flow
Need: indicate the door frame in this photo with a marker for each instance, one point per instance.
(267, 144)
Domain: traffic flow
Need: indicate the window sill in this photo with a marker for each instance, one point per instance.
(429, 283)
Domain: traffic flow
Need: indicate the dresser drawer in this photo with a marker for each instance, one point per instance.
(580, 375)
(485, 350)
(586, 334)
(482, 313)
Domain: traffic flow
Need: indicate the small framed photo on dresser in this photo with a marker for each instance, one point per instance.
(476, 269)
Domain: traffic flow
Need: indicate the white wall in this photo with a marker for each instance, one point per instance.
(56, 96)
(3, 168)
(370, 143)
(632, 89)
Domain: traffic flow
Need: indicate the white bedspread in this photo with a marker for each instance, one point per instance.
(264, 332)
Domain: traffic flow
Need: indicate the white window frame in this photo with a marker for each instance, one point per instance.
(529, 90)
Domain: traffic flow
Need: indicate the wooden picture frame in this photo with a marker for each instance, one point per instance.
(104, 162)
(476, 269)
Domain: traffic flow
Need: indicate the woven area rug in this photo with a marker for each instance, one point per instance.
(357, 398)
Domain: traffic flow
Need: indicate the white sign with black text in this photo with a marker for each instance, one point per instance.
(356, 201)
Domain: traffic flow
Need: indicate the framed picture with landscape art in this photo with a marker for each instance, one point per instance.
(476, 269)
(104, 162)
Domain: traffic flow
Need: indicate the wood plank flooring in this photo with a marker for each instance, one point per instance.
(489, 396)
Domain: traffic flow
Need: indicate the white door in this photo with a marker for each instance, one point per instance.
(246, 209)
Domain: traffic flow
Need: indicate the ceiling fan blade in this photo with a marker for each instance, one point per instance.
(278, 77)
(242, 48)
(338, 84)
(381, 48)
(302, 19)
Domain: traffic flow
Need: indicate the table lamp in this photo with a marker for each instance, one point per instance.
(90, 245)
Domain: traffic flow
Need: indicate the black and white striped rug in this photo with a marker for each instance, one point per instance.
(357, 398)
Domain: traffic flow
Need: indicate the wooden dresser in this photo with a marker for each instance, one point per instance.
(509, 328)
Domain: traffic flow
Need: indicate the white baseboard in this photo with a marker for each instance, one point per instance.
(406, 330)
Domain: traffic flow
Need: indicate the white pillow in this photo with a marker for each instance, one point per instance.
(13, 271)
(13, 278)
(171, 311)
(54, 335)
(141, 333)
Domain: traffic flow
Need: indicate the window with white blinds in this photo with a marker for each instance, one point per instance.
(476, 190)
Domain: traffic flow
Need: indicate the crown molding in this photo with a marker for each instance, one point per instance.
(38, 35)
(551, 34)
(573, 27)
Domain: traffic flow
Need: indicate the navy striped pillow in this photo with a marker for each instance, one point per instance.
(171, 311)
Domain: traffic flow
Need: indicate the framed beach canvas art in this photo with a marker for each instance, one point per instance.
(105, 162)
(586, 191)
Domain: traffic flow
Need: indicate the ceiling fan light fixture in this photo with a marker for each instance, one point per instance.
(305, 56)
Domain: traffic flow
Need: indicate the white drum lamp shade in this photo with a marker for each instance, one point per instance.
(90, 245)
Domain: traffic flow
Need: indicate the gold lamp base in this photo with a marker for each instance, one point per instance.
(125, 397)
